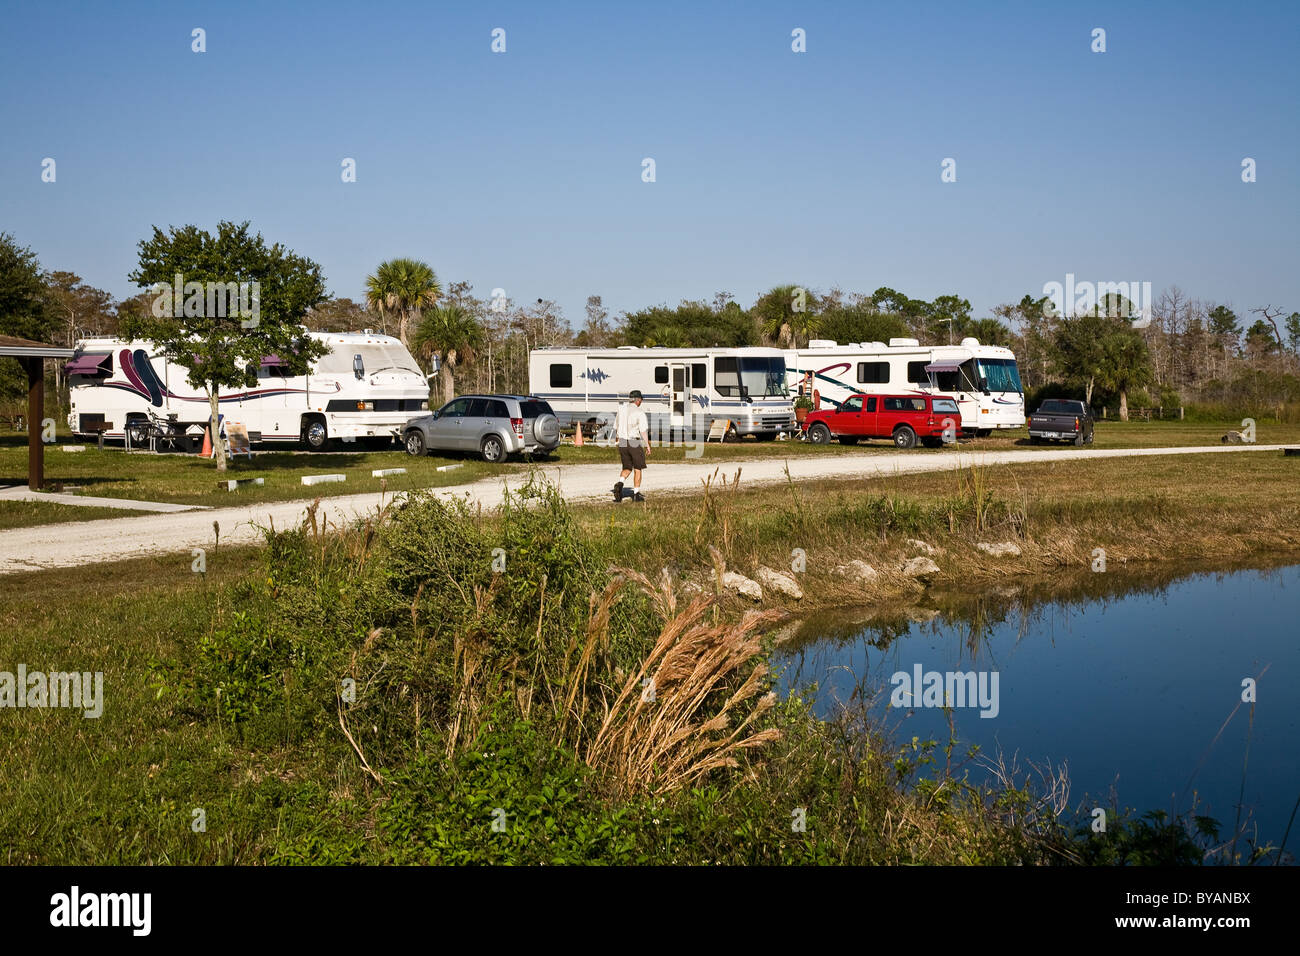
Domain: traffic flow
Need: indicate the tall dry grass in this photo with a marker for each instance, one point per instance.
(695, 702)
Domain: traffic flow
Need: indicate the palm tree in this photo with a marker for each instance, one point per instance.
(453, 335)
(404, 286)
(785, 314)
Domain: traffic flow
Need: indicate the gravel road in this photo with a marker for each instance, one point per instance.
(113, 539)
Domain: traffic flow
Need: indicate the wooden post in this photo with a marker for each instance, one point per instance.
(35, 415)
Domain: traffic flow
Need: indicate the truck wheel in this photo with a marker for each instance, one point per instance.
(493, 449)
(904, 437)
(415, 443)
(1088, 440)
(1078, 440)
(819, 434)
(315, 435)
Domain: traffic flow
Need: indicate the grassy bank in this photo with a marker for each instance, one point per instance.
(387, 696)
(1149, 510)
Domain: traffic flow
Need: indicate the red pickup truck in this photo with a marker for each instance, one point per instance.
(933, 419)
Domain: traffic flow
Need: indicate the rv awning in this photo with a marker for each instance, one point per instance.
(944, 365)
(91, 363)
(272, 360)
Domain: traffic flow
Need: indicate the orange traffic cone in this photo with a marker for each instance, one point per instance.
(577, 436)
(206, 451)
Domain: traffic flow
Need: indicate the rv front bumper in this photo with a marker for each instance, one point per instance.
(763, 424)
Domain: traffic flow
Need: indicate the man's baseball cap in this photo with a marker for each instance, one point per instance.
(634, 395)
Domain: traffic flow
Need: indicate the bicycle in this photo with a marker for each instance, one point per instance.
(153, 431)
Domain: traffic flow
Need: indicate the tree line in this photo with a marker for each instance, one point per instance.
(1189, 352)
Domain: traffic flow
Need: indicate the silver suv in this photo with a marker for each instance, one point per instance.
(494, 426)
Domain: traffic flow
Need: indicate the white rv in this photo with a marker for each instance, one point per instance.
(684, 391)
(366, 386)
(983, 378)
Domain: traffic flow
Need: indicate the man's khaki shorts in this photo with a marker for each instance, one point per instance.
(633, 457)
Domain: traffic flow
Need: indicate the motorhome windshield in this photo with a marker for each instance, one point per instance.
(1001, 374)
(375, 357)
(763, 377)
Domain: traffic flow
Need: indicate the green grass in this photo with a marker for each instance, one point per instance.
(187, 479)
(25, 514)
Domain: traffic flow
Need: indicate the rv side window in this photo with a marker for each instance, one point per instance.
(873, 373)
(661, 375)
(699, 375)
(561, 376)
(916, 373)
(726, 378)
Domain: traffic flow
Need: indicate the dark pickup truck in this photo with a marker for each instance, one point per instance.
(1059, 419)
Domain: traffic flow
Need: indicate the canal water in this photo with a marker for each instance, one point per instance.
(1136, 687)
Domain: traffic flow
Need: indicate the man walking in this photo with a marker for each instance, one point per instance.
(631, 430)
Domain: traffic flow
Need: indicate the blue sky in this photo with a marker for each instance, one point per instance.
(522, 170)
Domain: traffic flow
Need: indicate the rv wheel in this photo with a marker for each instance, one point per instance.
(315, 435)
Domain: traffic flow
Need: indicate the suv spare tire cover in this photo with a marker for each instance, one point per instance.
(546, 429)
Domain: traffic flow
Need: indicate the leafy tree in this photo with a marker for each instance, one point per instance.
(204, 333)
(1077, 349)
(989, 332)
(859, 323)
(339, 315)
(786, 315)
(405, 287)
(1225, 326)
(25, 310)
(82, 309)
(917, 313)
(452, 334)
(690, 325)
(1123, 361)
(1293, 331)
(948, 316)
(1261, 339)
(888, 300)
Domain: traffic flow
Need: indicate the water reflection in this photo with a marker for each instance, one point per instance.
(1132, 678)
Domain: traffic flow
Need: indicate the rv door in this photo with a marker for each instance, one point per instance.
(679, 398)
